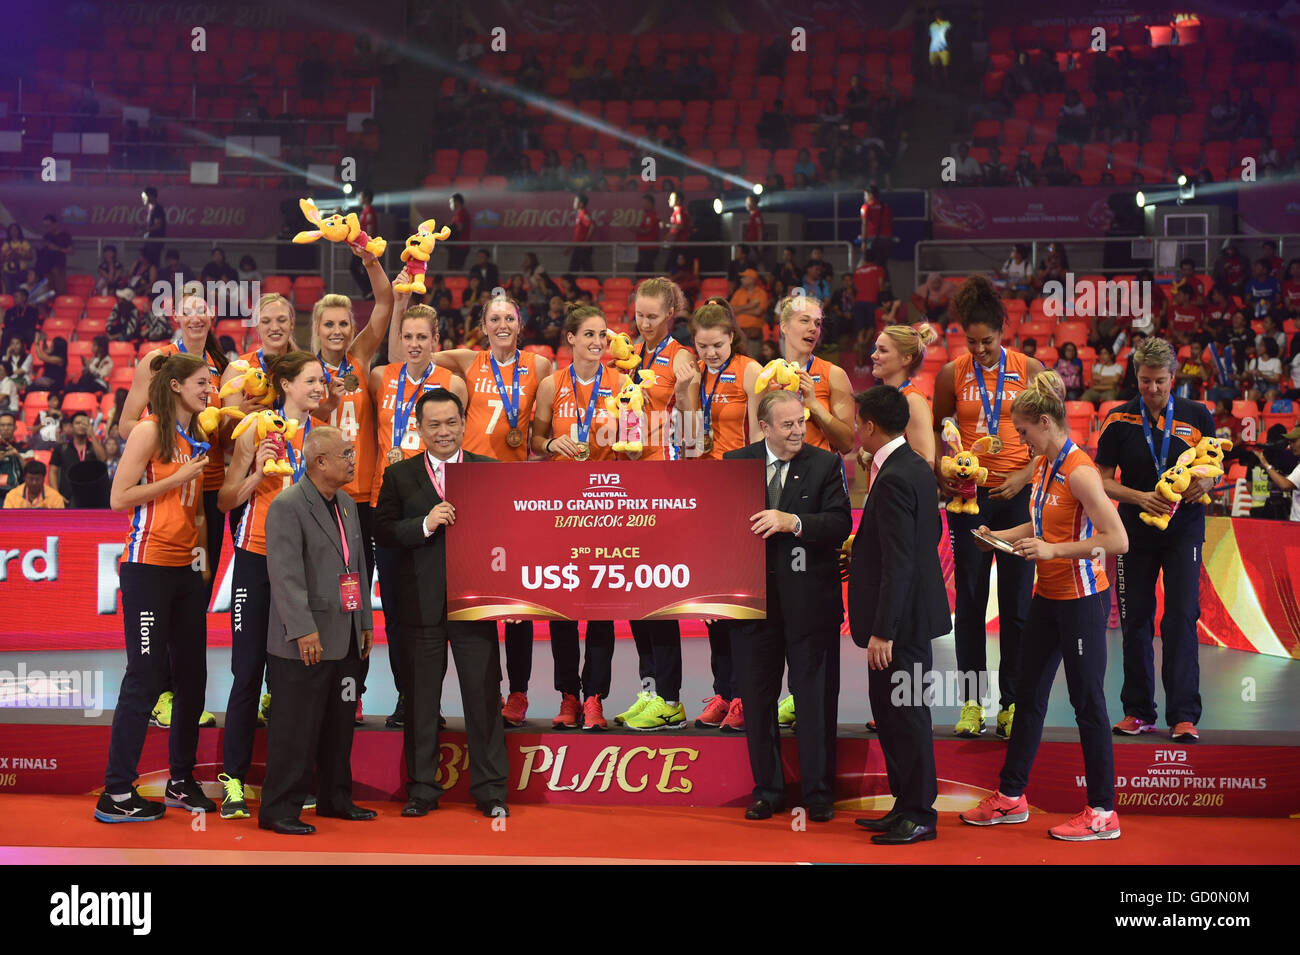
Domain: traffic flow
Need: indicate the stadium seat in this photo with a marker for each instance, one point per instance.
(277, 284)
(1079, 414)
(1106, 408)
(80, 401)
(306, 290)
(34, 403)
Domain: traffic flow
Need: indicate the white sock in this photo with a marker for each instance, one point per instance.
(1104, 813)
(119, 797)
(671, 702)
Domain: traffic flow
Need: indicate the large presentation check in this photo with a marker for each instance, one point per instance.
(619, 540)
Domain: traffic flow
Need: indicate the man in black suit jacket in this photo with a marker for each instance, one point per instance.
(806, 519)
(897, 605)
(413, 516)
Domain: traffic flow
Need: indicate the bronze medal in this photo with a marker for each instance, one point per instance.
(995, 444)
(350, 382)
(514, 437)
(706, 443)
(584, 451)
(394, 455)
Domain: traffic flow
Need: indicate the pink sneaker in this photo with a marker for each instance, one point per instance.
(735, 719)
(715, 711)
(570, 715)
(996, 809)
(1086, 826)
(1132, 726)
(593, 715)
(515, 709)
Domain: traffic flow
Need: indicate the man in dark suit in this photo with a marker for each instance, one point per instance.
(897, 605)
(319, 631)
(805, 521)
(413, 516)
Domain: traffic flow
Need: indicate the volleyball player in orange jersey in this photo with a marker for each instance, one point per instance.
(159, 480)
(299, 381)
(346, 355)
(275, 320)
(977, 390)
(570, 423)
(196, 337)
(825, 387)
(900, 350)
(395, 388)
(502, 383)
(1073, 527)
(727, 420)
(657, 303)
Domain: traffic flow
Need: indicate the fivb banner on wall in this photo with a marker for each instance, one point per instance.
(1009, 213)
(542, 216)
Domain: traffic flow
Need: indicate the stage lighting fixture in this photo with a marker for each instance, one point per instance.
(347, 188)
(1141, 200)
(1182, 180)
(758, 188)
(717, 205)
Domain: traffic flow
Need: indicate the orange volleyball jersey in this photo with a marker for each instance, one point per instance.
(911, 389)
(729, 409)
(486, 424)
(214, 475)
(566, 407)
(251, 532)
(660, 399)
(354, 416)
(970, 411)
(163, 531)
(820, 369)
(1065, 520)
(410, 442)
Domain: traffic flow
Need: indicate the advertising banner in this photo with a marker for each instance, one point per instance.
(1049, 213)
(544, 216)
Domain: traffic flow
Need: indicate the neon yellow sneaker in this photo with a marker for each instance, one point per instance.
(264, 709)
(162, 710)
(1004, 721)
(232, 803)
(207, 719)
(785, 713)
(971, 723)
(658, 715)
(642, 701)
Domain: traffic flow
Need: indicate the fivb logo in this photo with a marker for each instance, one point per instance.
(146, 629)
(1103, 298)
(76, 908)
(229, 299)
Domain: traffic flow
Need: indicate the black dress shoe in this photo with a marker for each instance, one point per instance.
(904, 833)
(883, 824)
(762, 809)
(352, 812)
(821, 812)
(288, 827)
(418, 806)
(493, 808)
(398, 717)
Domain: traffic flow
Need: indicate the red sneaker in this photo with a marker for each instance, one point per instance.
(359, 718)
(1185, 732)
(1087, 826)
(568, 718)
(593, 715)
(515, 709)
(715, 711)
(996, 809)
(1132, 726)
(735, 719)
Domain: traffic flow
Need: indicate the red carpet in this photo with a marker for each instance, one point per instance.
(34, 829)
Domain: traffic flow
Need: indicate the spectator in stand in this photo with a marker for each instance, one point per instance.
(313, 74)
(13, 453)
(1050, 79)
(817, 255)
(932, 300)
(47, 431)
(52, 259)
(155, 226)
(939, 55)
(803, 166)
(1186, 321)
(16, 258)
(877, 221)
(815, 283)
(995, 171)
(1024, 173)
(173, 266)
(248, 270)
(1188, 280)
(1072, 124)
(1274, 260)
(1287, 482)
(968, 167)
(8, 390)
(1222, 358)
(754, 224)
(17, 360)
(857, 101)
(774, 127)
(110, 276)
(1271, 330)
(1018, 273)
(1242, 339)
(1070, 368)
(686, 276)
(21, 319)
(1252, 123)
(1053, 166)
(218, 269)
(486, 271)
(1265, 372)
(96, 370)
(532, 75)
(1052, 269)
(679, 228)
(1263, 291)
(694, 79)
(1193, 374)
(73, 452)
(1230, 269)
(1106, 376)
(788, 272)
(838, 318)
(580, 253)
(1226, 424)
(580, 176)
(647, 235)
(53, 355)
(460, 233)
(1218, 310)
(1133, 114)
(870, 281)
(34, 492)
(749, 304)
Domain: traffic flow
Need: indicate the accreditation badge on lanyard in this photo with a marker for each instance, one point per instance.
(1164, 445)
(349, 583)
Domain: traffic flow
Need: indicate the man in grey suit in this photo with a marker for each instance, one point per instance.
(319, 632)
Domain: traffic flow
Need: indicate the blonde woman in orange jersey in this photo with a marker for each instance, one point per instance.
(275, 320)
(159, 481)
(571, 423)
(502, 383)
(977, 390)
(673, 394)
(727, 420)
(825, 387)
(299, 381)
(900, 350)
(346, 355)
(395, 388)
(1073, 528)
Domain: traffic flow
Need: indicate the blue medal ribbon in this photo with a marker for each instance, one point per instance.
(510, 404)
(261, 359)
(402, 410)
(991, 420)
(904, 384)
(584, 427)
(1164, 446)
(707, 403)
(1040, 499)
(299, 464)
(659, 350)
(344, 368)
(197, 448)
(1223, 363)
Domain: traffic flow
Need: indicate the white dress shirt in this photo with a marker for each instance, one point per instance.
(785, 473)
(878, 459)
(436, 462)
